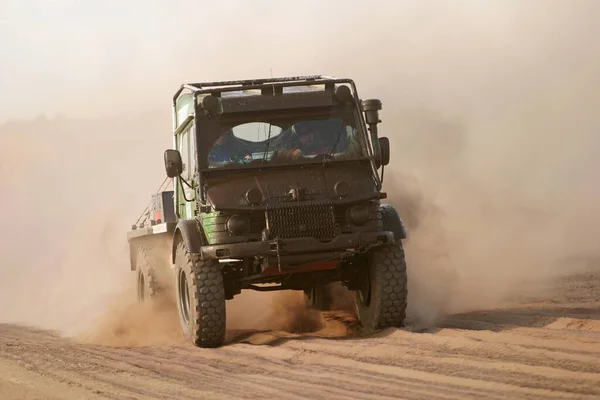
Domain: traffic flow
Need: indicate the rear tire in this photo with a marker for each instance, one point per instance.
(147, 283)
(382, 298)
(200, 299)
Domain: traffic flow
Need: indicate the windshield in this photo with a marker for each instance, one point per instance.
(286, 140)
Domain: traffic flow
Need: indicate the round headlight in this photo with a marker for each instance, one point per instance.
(359, 215)
(238, 224)
(341, 188)
(253, 196)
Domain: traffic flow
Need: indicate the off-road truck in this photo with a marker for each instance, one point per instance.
(257, 203)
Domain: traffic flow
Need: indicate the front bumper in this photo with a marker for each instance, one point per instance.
(345, 243)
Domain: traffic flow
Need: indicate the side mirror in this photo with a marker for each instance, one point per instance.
(173, 163)
(384, 148)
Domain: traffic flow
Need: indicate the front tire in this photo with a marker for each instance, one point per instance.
(382, 298)
(200, 299)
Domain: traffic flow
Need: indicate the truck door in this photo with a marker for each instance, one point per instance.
(186, 144)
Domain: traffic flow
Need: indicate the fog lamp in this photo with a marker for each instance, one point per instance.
(238, 224)
(359, 215)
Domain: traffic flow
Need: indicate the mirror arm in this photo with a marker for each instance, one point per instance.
(202, 190)
(181, 179)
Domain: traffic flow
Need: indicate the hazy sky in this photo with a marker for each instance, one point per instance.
(66, 51)
(109, 57)
(69, 56)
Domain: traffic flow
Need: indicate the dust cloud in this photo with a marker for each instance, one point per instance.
(129, 323)
(490, 108)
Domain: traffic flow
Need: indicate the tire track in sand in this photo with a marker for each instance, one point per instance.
(548, 352)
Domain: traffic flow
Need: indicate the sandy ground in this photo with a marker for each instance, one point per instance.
(543, 349)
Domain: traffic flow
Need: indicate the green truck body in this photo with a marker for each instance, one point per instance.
(276, 186)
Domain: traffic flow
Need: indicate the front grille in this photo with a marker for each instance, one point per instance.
(298, 220)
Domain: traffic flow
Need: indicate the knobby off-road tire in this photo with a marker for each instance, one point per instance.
(381, 301)
(147, 280)
(318, 297)
(200, 299)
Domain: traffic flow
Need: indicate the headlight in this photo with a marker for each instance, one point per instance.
(359, 215)
(253, 196)
(341, 189)
(238, 224)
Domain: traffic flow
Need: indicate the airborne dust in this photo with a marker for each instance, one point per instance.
(491, 108)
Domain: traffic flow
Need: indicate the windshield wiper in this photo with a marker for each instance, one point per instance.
(335, 144)
(268, 143)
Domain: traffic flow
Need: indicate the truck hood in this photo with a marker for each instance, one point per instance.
(229, 189)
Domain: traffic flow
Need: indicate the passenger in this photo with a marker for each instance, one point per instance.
(225, 149)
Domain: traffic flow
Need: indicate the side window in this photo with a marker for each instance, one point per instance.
(193, 156)
(184, 150)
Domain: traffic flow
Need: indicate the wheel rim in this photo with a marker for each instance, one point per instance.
(184, 297)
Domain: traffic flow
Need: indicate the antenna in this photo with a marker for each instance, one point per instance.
(272, 80)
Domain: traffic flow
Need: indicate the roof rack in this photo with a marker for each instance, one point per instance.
(247, 84)
(263, 81)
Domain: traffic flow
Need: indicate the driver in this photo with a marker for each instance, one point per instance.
(306, 140)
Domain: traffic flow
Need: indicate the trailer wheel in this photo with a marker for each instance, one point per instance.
(147, 283)
(200, 296)
(382, 297)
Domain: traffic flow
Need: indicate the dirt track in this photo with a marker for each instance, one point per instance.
(545, 349)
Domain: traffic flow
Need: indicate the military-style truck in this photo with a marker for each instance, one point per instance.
(277, 185)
